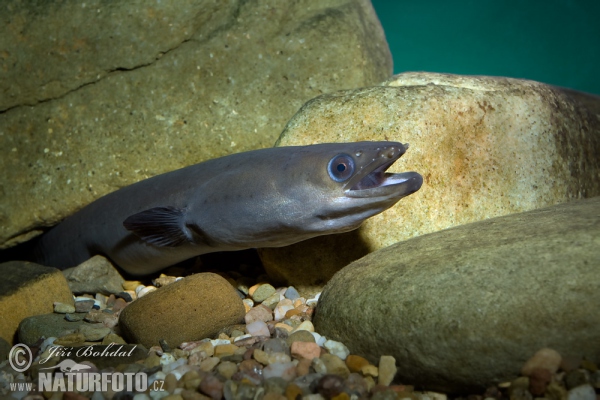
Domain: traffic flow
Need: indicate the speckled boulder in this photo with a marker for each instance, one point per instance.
(466, 307)
(485, 146)
(98, 95)
(190, 309)
(28, 289)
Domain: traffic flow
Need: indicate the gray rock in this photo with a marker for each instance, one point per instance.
(96, 275)
(198, 306)
(486, 147)
(464, 308)
(28, 289)
(47, 325)
(101, 96)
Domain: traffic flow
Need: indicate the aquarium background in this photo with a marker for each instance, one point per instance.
(551, 41)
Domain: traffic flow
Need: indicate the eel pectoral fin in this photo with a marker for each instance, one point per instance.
(160, 226)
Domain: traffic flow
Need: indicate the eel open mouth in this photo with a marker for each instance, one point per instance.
(372, 180)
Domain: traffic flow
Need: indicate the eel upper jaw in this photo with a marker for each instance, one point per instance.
(372, 181)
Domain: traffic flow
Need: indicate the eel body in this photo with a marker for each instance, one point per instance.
(263, 198)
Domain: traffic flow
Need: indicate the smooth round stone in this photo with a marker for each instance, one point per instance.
(505, 287)
(199, 306)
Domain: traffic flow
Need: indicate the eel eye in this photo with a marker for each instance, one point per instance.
(341, 167)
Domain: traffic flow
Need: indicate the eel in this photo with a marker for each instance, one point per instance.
(263, 198)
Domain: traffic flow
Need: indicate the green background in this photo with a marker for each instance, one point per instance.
(551, 41)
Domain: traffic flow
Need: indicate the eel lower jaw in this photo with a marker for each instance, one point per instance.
(389, 185)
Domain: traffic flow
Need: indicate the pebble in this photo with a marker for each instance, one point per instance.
(276, 345)
(269, 358)
(258, 328)
(291, 293)
(335, 365)
(262, 292)
(284, 370)
(84, 305)
(319, 339)
(209, 364)
(126, 295)
(306, 350)
(212, 387)
(582, 392)
(300, 336)
(545, 358)
(313, 301)
(282, 308)
(62, 308)
(337, 348)
(272, 301)
(119, 304)
(144, 291)
(539, 378)
(330, 386)
(305, 326)
(74, 317)
(131, 285)
(259, 313)
(227, 369)
(225, 349)
(387, 370)
(356, 363)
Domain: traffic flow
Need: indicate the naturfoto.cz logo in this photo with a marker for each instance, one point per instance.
(70, 376)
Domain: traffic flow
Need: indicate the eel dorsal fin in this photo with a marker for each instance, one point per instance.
(160, 226)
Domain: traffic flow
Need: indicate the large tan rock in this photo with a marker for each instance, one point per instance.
(28, 289)
(99, 95)
(193, 308)
(485, 146)
(464, 308)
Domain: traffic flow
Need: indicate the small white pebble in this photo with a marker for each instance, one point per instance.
(314, 300)
(319, 339)
(243, 337)
(138, 288)
(145, 291)
(258, 328)
(217, 342)
(337, 348)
